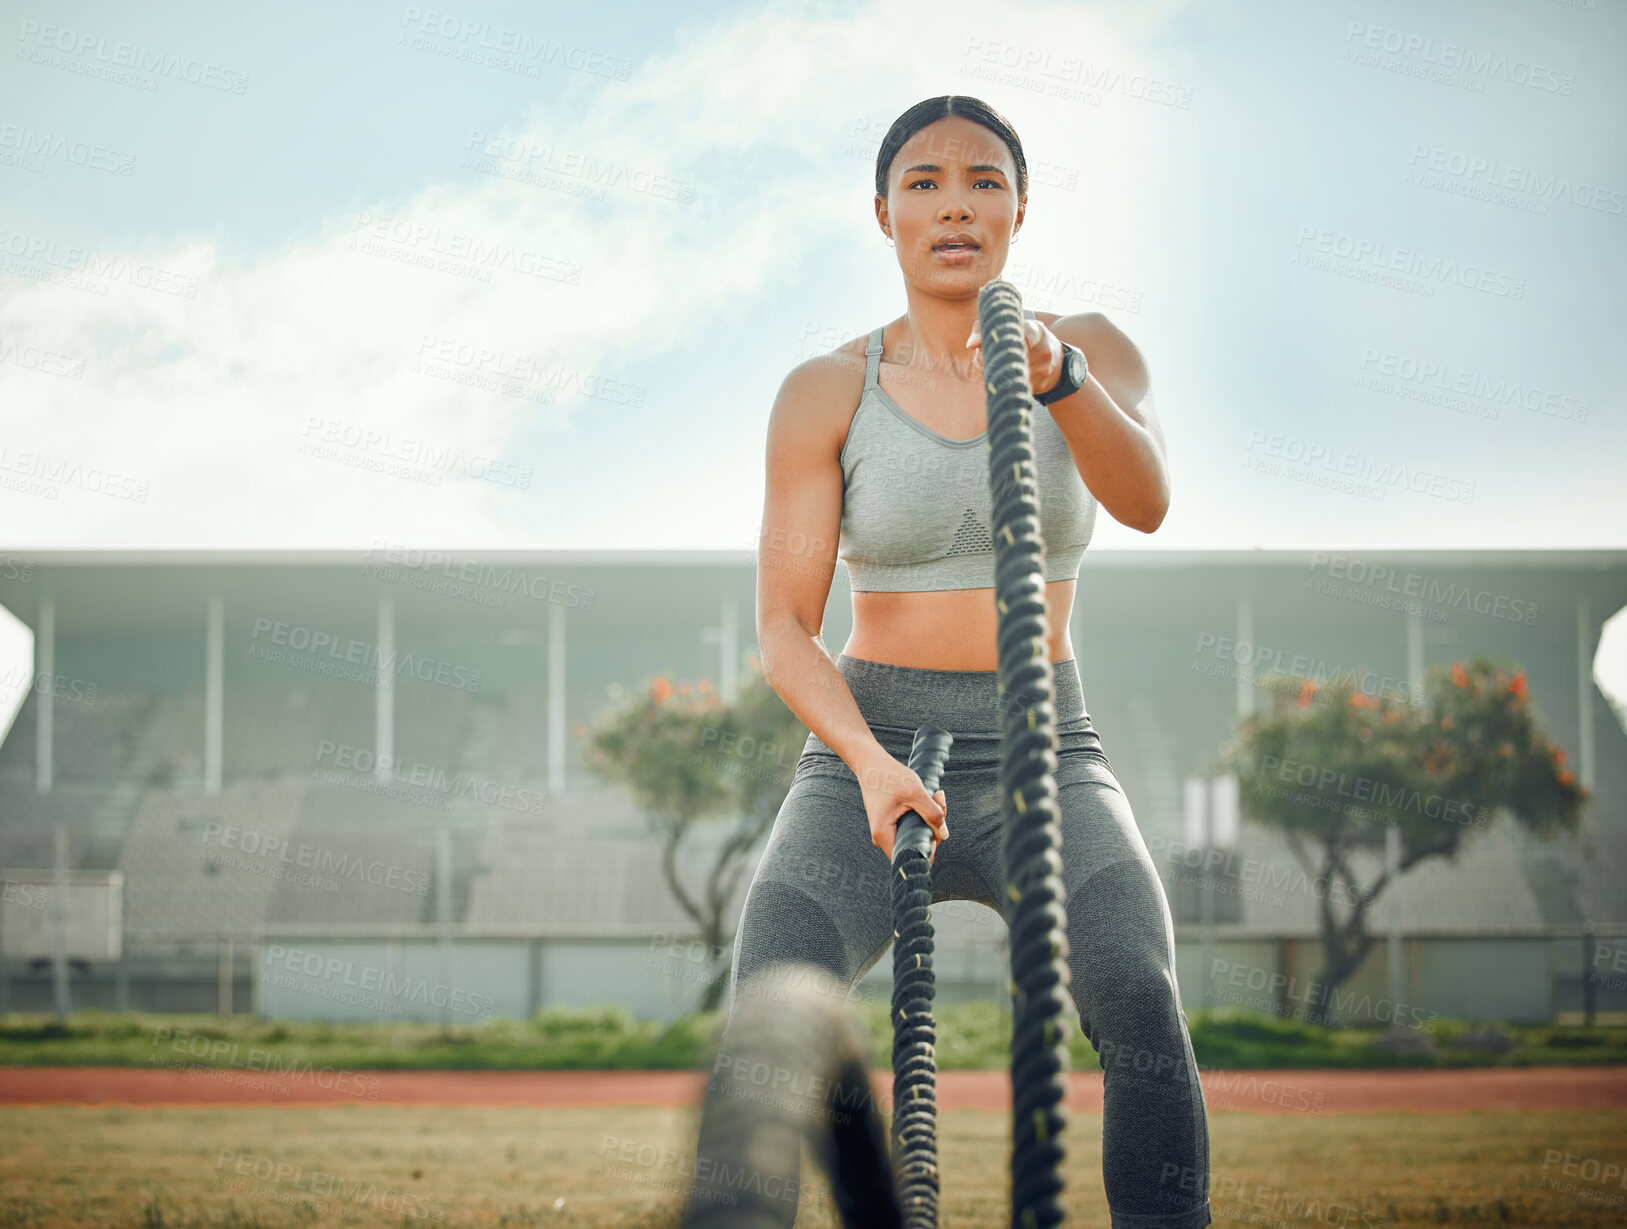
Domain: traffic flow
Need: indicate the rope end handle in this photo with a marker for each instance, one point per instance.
(927, 759)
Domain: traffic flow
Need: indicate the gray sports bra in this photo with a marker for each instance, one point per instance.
(916, 505)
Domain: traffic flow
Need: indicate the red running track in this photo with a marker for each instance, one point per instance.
(1268, 1092)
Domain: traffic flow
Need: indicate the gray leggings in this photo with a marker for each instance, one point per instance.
(821, 894)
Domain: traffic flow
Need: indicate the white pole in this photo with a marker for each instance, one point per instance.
(214, 704)
(726, 635)
(443, 915)
(1246, 694)
(45, 691)
(256, 973)
(1584, 691)
(556, 700)
(1392, 863)
(228, 967)
(1392, 832)
(730, 635)
(384, 692)
(1200, 834)
(1415, 649)
(59, 920)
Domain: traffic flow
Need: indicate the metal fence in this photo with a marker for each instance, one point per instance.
(466, 975)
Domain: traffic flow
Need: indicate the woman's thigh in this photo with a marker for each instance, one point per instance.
(1121, 936)
(820, 892)
(1098, 825)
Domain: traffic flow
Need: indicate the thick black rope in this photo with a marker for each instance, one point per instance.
(915, 1033)
(792, 1067)
(1034, 890)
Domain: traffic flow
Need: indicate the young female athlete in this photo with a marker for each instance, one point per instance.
(877, 454)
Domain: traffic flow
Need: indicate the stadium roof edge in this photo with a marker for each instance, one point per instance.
(507, 592)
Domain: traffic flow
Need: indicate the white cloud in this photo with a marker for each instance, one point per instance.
(207, 399)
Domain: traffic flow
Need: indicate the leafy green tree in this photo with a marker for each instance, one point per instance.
(688, 757)
(1333, 767)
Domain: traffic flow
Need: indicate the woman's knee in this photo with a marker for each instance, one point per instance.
(782, 921)
(1119, 921)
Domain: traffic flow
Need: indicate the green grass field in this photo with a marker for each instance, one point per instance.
(970, 1035)
(367, 1165)
(393, 1165)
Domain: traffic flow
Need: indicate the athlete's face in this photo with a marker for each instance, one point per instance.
(952, 176)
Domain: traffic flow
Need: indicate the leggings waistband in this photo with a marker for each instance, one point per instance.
(960, 701)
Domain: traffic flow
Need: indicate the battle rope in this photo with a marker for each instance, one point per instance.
(915, 1033)
(1034, 890)
(793, 1066)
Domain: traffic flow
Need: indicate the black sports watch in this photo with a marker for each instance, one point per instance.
(1075, 372)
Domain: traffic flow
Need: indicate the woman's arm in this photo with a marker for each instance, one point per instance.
(796, 558)
(1111, 425)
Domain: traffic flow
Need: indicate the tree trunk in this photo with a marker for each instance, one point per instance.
(721, 879)
(1345, 946)
(713, 998)
(1340, 958)
(720, 885)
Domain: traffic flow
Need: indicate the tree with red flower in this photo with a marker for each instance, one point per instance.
(1436, 770)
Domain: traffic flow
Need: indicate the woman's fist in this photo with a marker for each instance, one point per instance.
(891, 790)
(1044, 354)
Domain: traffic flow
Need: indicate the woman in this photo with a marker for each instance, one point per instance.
(883, 462)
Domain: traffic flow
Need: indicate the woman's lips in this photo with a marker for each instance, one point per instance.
(956, 254)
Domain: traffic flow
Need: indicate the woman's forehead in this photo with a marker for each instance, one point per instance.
(953, 149)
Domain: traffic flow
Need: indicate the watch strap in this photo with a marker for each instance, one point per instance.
(1065, 385)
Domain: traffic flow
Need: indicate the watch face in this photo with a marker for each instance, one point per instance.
(1076, 367)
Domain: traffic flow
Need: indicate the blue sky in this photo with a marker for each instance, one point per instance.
(500, 275)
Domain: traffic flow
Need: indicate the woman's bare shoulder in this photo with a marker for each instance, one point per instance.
(821, 394)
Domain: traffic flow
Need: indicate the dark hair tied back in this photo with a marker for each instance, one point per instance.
(931, 110)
